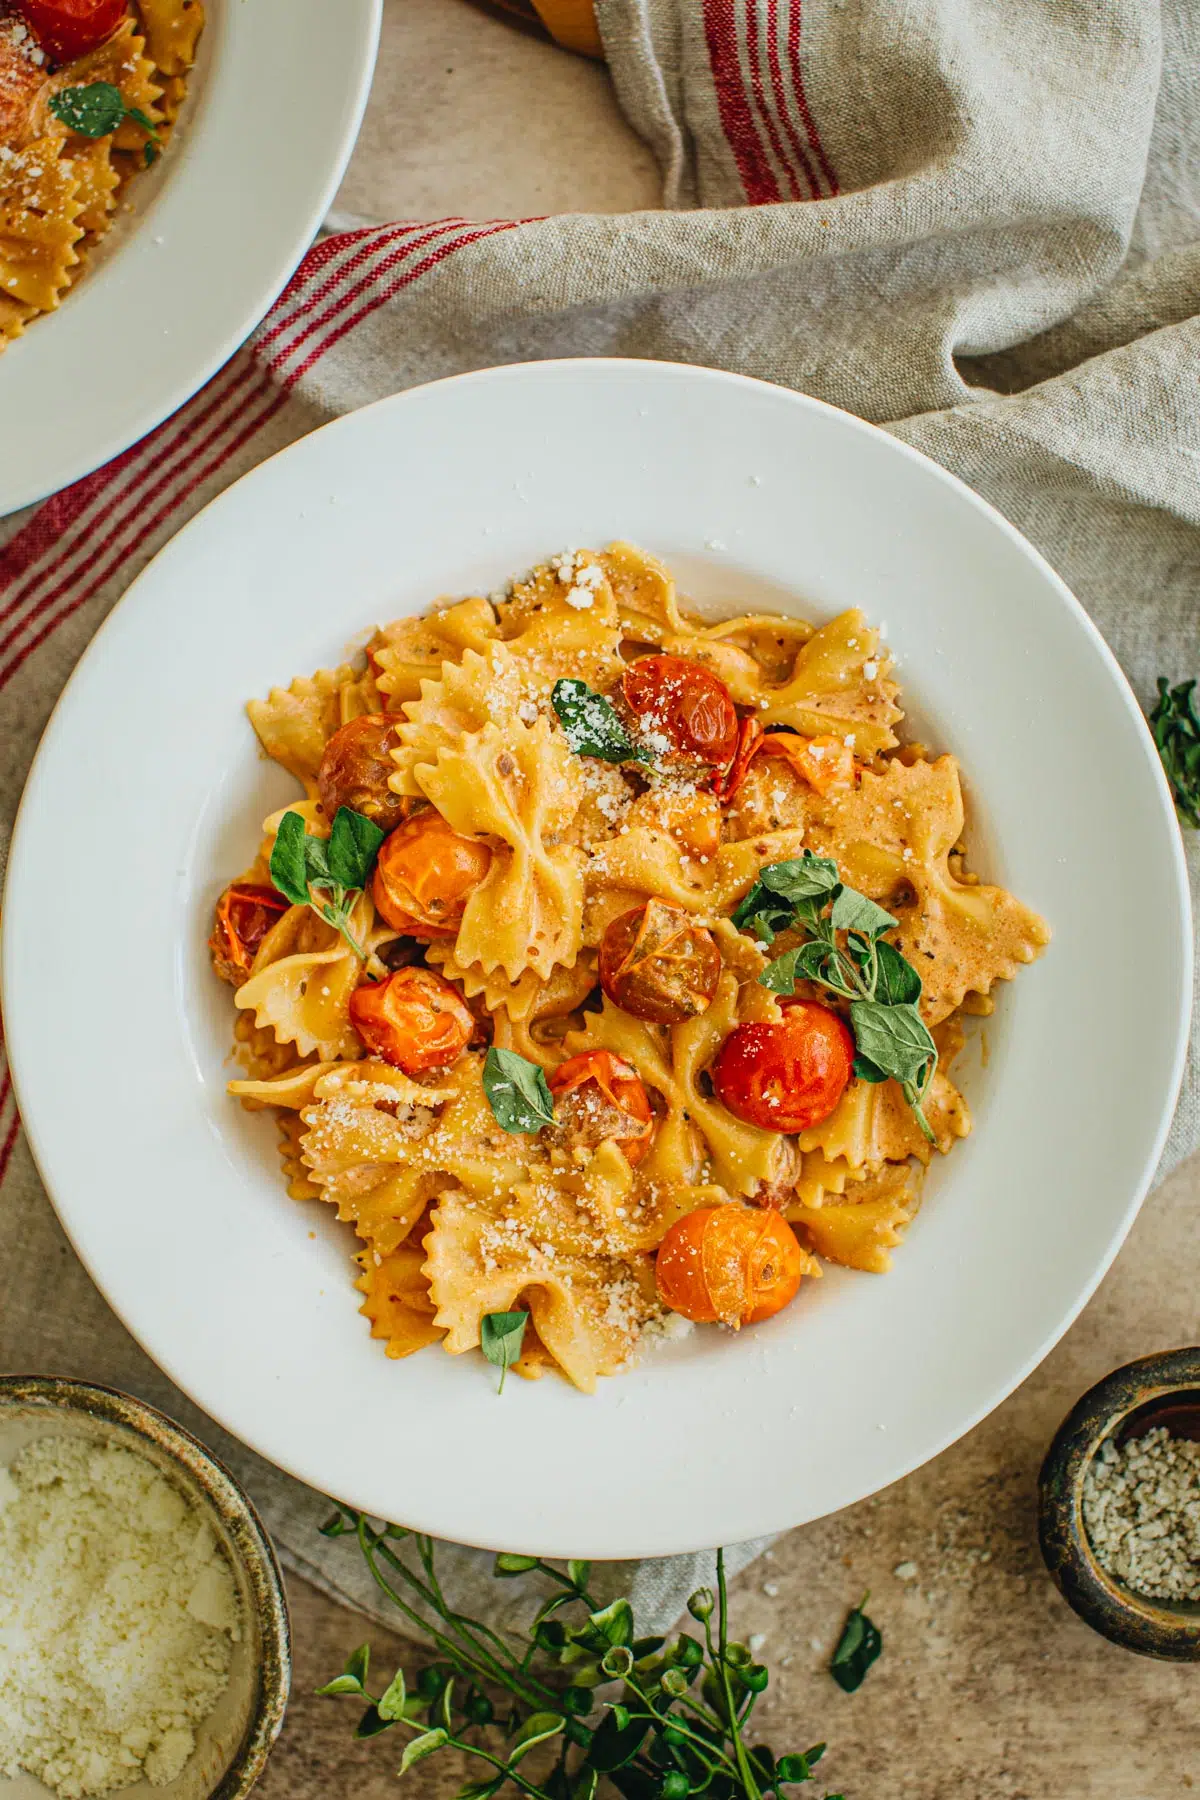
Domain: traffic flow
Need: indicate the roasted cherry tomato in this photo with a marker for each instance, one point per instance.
(685, 713)
(735, 1264)
(414, 1020)
(355, 768)
(598, 1096)
(425, 874)
(789, 1076)
(658, 964)
(825, 763)
(750, 733)
(245, 913)
(69, 28)
(22, 83)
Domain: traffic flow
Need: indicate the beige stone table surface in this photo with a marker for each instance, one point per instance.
(988, 1687)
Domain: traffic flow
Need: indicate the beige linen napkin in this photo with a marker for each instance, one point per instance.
(975, 224)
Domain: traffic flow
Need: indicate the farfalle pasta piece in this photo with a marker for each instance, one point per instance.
(524, 1011)
(122, 61)
(295, 723)
(520, 787)
(410, 651)
(861, 1231)
(562, 622)
(648, 863)
(396, 1299)
(541, 1252)
(873, 1124)
(299, 1183)
(488, 687)
(303, 976)
(172, 29)
(892, 838)
(97, 183)
(40, 204)
(644, 589)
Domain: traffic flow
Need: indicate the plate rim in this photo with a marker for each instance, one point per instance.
(770, 1516)
(24, 490)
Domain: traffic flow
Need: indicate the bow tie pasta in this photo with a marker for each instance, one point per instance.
(609, 969)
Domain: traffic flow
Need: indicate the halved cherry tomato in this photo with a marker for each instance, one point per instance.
(750, 733)
(245, 913)
(658, 964)
(355, 768)
(686, 707)
(826, 763)
(425, 874)
(69, 28)
(414, 1020)
(22, 82)
(789, 1076)
(735, 1264)
(598, 1096)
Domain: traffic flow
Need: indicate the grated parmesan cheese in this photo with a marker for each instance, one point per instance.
(1141, 1506)
(117, 1616)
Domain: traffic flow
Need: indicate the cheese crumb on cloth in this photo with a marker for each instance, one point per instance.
(1141, 1506)
(118, 1616)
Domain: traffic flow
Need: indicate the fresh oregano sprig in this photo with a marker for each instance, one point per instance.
(98, 108)
(659, 1719)
(327, 874)
(501, 1335)
(845, 952)
(1176, 727)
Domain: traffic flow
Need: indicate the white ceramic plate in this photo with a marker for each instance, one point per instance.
(217, 228)
(148, 792)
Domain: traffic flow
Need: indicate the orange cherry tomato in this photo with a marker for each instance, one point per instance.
(245, 913)
(826, 763)
(66, 29)
(598, 1096)
(789, 1076)
(414, 1020)
(733, 1264)
(658, 964)
(355, 768)
(685, 712)
(425, 874)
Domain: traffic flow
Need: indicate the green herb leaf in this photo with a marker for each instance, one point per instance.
(866, 1070)
(371, 1723)
(500, 1339)
(353, 846)
(852, 911)
(613, 1623)
(897, 982)
(480, 1790)
(536, 1729)
(801, 878)
(93, 111)
(764, 914)
(857, 1648)
(507, 1563)
(591, 726)
(288, 869)
(341, 1684)
(391, 1702)
(579, 1572)
(617, 1739)
(895, 1038)
(316, 862)
(809, 962)
(1176, 727)
(517, 1091)
(425, 1745)
(793, 1768)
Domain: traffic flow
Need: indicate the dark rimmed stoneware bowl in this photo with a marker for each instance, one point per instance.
(233, 1743)
(1155, 1390)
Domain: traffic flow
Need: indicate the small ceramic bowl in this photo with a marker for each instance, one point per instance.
(1155, 1390)
(233, 1743)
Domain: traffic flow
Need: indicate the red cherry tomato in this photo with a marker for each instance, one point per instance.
(750, 734)
(69, 28)
(789, 1076)
(685, 706)
(598, 1096)
(735, 1264)
(245, 913)
(425, 874)
(355, 768)
(658, 964)
(414, 1020)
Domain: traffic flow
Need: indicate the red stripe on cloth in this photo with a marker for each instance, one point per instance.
(761, 104)
(346, 298)
(409, 275)
(175, 498)
(9, 1143)
(721, 37)
(280, 319)
(814, 136)
(55, 516)
(161, 448)
(315, 259)
(781, 98)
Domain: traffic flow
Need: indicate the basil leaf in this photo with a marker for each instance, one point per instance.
(288, 869)
(895, 1038)
(353, 846)
(517, 1091)
(93, 111)
(857, 1648)
(1176, 726)
(852, 911)
(591, 726)
(500, 1338)
(802, 877)
(898, 983)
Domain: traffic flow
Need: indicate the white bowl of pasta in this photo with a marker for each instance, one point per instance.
(164, 164)
(619, 949)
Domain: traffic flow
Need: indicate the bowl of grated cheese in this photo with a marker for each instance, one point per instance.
(144, 1642)
(1119, 1506)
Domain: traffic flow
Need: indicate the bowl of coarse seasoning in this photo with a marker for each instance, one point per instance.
(1119, 1506)
(144, 1640)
